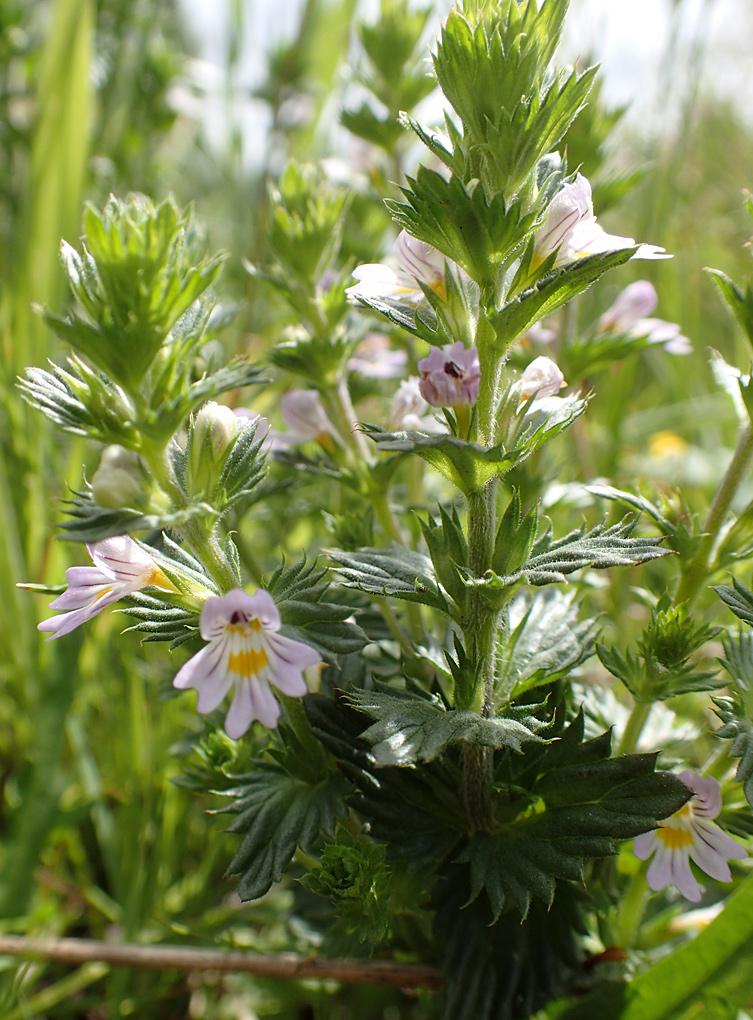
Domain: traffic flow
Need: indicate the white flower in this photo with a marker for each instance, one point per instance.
(416, 260)
(570, 229)
(407, 401)
(245, 652)
(121, 567)
(409, 409)
(542, 378)
(689, 836)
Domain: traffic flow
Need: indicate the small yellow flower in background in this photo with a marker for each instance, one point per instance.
(666, 444)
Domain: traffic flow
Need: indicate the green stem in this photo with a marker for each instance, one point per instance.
(199, 536)
(697, 570)
(634, 727)
(632, 909)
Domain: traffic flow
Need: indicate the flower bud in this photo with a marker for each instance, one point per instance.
(450, 376)
(212, 432)
(219, 423)
(542, 378)
(634, 303)
(120, 479)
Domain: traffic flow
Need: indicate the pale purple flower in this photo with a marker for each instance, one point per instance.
(689, 836)
(416, 261)
(658, 331)
(304, 414)
(375, 358)
(541, 378)
(541, 334)
(629, 316)
(245, 652)
(635, 302)
(450, 376)
(121, 567)
(570, 229)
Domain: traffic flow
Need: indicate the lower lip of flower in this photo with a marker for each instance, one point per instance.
(674, 838)
(247, 663)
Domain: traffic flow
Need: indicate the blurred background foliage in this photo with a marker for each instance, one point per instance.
(114, 96)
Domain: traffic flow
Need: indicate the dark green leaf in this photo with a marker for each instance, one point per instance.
(411, 728)
(397, 571)
(277, 813)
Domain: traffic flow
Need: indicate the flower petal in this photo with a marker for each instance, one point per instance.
(207, 674)
(645, 844)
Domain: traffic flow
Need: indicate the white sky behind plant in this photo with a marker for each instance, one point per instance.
(630, 38)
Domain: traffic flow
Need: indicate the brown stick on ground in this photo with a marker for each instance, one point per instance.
(283, 965)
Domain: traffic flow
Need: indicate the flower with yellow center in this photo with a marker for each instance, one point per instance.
(687, 836)
(245, 652)
(121, 567)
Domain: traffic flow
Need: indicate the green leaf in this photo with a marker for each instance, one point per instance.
(549, 641)
(89, 522)
(397, 572)
(411, 727)
(141, 270)
(277, 813)
(244, 467)
(739, 303)
(477, 232)
(417, 813)
(601, 547)
(158, 621)
(448, 550)
(302, 594)
(555, 289)
(469, 466)
(738, 598)
(736, 711)
(588, 803)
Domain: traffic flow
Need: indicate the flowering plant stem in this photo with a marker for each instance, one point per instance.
(482, 622)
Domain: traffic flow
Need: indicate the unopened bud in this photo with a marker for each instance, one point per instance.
(212, 432)
(542, 378)
(120, 480)
(219, 423)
